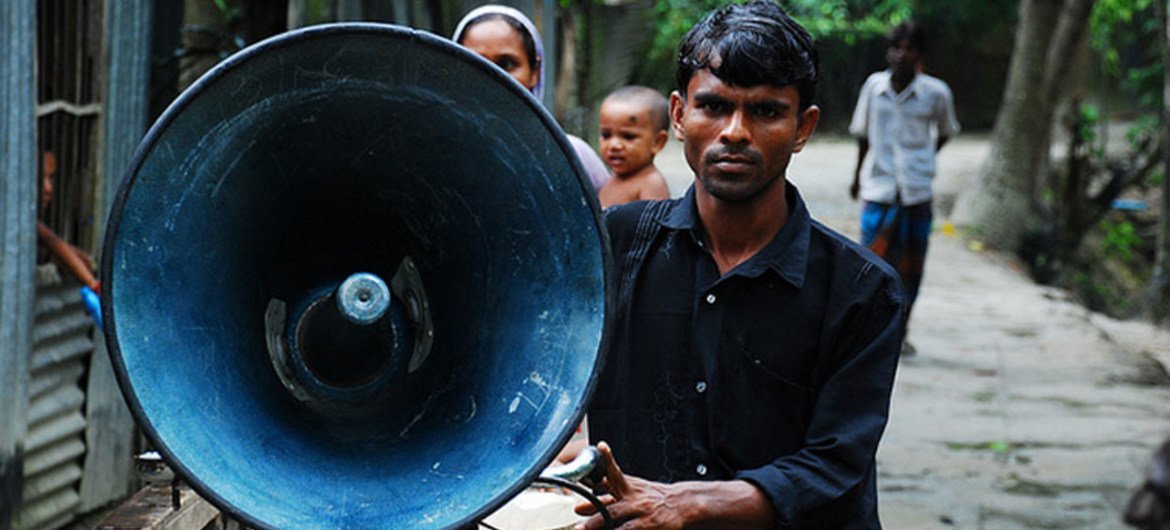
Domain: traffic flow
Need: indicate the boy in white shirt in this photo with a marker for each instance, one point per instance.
(903, 117)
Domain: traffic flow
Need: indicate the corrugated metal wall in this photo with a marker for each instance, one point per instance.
(56, 420)
(69, 43)
(77, 433)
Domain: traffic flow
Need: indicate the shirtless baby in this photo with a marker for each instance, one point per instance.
(634, 128)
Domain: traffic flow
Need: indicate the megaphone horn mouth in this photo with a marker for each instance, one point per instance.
(375, 246)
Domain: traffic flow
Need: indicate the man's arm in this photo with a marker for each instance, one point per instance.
(820, 484)
(638, 503)
(942, 140)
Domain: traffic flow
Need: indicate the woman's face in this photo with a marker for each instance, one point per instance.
(499, 43)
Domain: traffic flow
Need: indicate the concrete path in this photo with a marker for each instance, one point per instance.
(1021, 409)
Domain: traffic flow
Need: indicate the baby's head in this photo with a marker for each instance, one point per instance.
(634, 126)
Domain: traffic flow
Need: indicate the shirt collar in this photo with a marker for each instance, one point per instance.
(786, 254)
(911, 89)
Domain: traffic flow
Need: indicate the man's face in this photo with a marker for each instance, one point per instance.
(903, 57)
(738, 140)
(628, 139)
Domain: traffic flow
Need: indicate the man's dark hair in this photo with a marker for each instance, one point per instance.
(756, 44)
(653, 100)
(912, 32)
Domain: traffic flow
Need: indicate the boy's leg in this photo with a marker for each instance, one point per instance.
(899, 234)
(913, 238)
(912, 242)
(876, 218)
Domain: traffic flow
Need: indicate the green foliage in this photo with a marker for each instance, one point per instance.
(675, 18)
(1126, 35)
(230, 11)
(1120, 239)
(849, 20)
(1088, 118)
(1156, 177)
(1110, 26)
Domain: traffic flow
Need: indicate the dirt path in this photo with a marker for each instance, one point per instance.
(1021, 409)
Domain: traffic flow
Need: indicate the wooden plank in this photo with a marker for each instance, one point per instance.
(194, 514)
(150, 509)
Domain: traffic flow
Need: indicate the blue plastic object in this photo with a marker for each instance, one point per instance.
(1129, 205)
(93, 304)
(296, 163)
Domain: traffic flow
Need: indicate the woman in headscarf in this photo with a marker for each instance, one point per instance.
(507, 38)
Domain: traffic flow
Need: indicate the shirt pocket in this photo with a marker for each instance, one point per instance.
(914, 126)
(768, 411)
(772, 369)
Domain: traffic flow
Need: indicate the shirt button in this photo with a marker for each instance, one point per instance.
(701, 387)
(710, 299)
(701, 470)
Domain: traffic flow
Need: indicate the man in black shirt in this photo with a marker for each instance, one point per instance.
(755, 349)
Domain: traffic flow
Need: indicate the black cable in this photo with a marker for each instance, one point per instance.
(584, 492)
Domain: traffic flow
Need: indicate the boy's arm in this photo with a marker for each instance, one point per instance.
(946, 122)
(859, 127)
(76, 261)
(862, 150)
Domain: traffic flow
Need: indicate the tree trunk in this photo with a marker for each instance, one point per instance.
(1001, 204)
(1069, 210)
(1158, 294)
(1062, 51)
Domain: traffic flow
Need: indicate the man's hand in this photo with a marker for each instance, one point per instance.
(634, 502)
(639, 503)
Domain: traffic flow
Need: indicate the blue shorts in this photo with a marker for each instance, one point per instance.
(899, 234)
